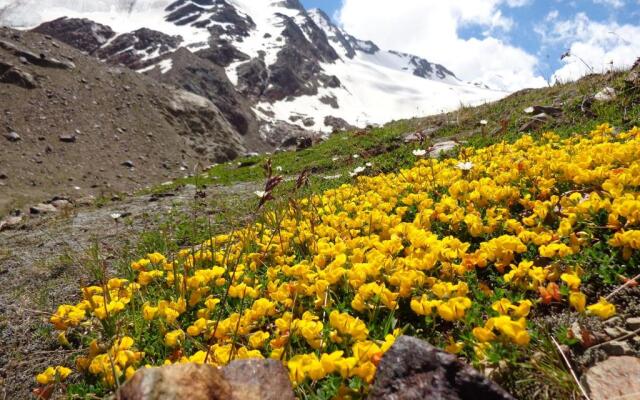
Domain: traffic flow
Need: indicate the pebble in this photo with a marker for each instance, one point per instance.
(616, 348)
(633, 323)
(67, 138)
(12, 137)
(42, 209)
(615, 332)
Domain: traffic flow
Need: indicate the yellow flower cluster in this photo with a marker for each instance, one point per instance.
(326, 284)
(51, 374)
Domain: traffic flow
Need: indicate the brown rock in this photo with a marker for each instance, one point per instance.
(258, 380)
(176, 382)
(549, 110)
(10, 222)
(413, 369)
(42, 209)
(535, 122)
(241, 380)
(18, 77)
(614, 378)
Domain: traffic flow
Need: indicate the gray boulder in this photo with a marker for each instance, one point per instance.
(413, 369)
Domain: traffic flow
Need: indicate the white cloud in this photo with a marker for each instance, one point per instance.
(430, 28)
(592, 46)
(611, 3)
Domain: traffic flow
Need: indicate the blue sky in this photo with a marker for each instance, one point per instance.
(533, 32)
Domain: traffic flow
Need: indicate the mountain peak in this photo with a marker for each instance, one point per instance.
(292, 66)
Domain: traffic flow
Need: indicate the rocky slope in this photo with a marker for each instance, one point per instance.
(73, 126)
(270, 66)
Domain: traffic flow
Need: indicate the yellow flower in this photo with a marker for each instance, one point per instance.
(454, 347)
(572, 280)
(578, 301)
(483, 334)
(257, 339)
(53, 374)
(602, 309)
(454, 309)
(174, 338)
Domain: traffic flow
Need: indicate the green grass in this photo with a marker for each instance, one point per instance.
(385, 149)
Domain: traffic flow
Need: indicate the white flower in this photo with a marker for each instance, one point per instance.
(278, 168)
(260, 193)
(357, 171)
(465, 166)
(369, 164)
(483, 122)
(356, 156)
(115, 215)
(331, 177)
(419, 152)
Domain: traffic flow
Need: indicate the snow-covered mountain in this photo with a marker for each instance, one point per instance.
(270, 60)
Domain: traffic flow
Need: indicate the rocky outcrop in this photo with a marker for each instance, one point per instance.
(253, 78)
(80, 33)
(206, 130)
(209, 80)
(240, 380)
(338, 124)
(139, 48)
(413, 369)
(201, 14)
(13, 75)
(41, 59)
(297, 70)
(223, 53)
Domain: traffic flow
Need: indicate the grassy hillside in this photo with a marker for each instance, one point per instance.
(491, 252)
(385, 149)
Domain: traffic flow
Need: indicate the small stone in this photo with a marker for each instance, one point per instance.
(86, 201)
(10, 222)
(419, 136)
(128, 164)
(12, 137)
(613, 321)
(616, 348)
(606, 94)
(633, 323)
(42, 209)
(61, 204)
(614, 378)
(615, 332)
(442, 147)
(67, 138)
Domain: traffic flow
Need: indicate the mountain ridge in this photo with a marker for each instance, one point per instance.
(291, 64)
